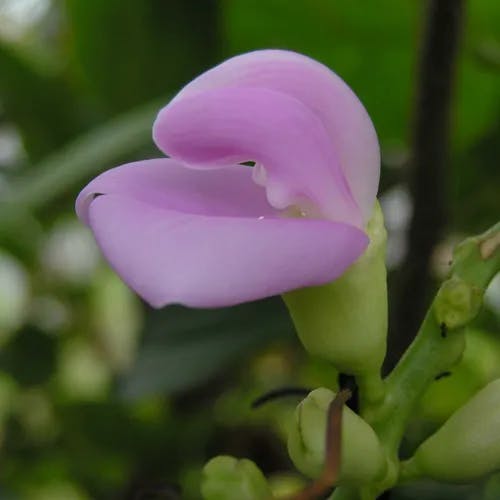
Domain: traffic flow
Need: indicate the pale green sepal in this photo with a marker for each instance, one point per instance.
(228, 478)
(346, 321)
(467, 446)
(362, 457)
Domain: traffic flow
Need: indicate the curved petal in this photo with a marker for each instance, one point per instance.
(165, 183)
(230, 125)
(326, 94)
(203, 261)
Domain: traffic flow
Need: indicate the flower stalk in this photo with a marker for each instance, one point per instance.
(437, 347)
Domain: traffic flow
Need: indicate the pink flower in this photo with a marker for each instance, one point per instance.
(199, 228)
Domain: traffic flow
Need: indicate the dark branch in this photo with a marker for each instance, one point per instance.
(428, 165)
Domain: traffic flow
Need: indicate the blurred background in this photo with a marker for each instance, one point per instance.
(102, 397)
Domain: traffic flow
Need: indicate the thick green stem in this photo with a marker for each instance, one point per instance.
(438, 346)
(371, 388)
(389, 405)
(409, 472)
(434, 350)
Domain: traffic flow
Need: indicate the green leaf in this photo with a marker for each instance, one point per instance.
(77, 162)
(39, 103)
(30, 357)
(130, 51)
(184, 347)
(373, 46)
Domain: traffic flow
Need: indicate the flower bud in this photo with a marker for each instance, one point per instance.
(227, 478)
(346, 321)
(362, 458)
(466, 447)
(457, 303)
(480, 364)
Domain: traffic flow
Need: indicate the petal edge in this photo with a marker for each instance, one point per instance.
(202, 261)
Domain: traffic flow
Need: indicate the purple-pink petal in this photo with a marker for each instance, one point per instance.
(347, 123)
(225, 126)
(165, 183)
(202, 230)
(215, 244)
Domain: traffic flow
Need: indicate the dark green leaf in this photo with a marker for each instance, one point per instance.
(77, 162)
(29, 357)
(130, 51)
(40, 104)
(183, 347)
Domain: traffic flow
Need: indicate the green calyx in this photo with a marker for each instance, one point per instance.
(346, 321)
(362, 457)
(227, 478)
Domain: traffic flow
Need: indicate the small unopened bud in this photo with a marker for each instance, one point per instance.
(228, 478)
(345, 321)
(480, 364)
(466, 447)
(457, 303)
(362, 458)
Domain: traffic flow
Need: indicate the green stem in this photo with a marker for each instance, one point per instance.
(388, 405)
(371, 388)
(433, 351)
(409, 472)
(438, 346)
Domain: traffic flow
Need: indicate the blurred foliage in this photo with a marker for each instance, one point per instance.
(46, 121)
(100, 397)
(205, 340)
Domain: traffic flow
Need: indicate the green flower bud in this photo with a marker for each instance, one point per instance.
(466, 447)
(346, 321)
(362, 457)
(228, 478)
(457, 303)
(477, 259)
(480, 364)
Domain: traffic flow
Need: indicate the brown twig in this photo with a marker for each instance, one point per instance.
(333, 449)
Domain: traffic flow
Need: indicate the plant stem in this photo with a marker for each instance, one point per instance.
(372, 389)
(430, 354)
(439, 344)
(428, 166)
(409, 472)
